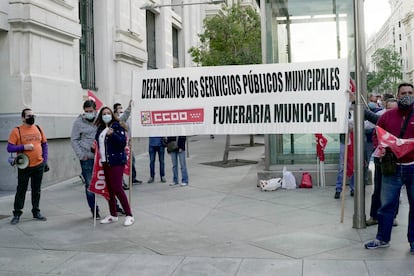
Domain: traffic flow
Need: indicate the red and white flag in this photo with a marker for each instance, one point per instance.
(127, 167)
(92, 97)
(321, 143)
(398, 146)
(350, 159)
(98, 183)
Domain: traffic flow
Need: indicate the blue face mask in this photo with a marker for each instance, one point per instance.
(107, 118)
(89, 116)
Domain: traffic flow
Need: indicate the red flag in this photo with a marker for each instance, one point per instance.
(350, 160)
(127, 167)
(398, 146)
(321, 142)
(98, 183)
(352, 85)
(92, 97)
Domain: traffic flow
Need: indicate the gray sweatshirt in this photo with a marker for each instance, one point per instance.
(83, 135)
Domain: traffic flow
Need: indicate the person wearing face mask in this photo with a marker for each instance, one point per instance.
(29, 139)
(123, 115)
(111, 139)
(400, 123)
(82, 137)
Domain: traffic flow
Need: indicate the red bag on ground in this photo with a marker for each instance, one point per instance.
(306, 181)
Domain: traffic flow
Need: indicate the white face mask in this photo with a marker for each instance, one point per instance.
(89, 115)
(107, 118)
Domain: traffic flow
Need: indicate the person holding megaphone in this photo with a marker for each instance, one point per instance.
(29, 141)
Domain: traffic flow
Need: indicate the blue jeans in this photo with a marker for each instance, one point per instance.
(87, 167)
(390, 195)
(340, 176)
(174, 158)
(134, 172)
(153, 150)
(376, 195)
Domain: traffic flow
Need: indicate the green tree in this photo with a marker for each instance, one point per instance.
(389, 71)
(232, 37)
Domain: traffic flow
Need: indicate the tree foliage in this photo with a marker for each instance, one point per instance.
(389, 71)
(232, 37)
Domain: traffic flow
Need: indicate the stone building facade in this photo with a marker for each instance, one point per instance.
(53, 51)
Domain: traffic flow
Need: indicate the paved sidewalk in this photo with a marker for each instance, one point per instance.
(221, 224)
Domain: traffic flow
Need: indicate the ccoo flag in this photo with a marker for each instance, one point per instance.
(321, 143)
(98, 183)
(398, 146)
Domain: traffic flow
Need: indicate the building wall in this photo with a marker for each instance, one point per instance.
(397, 32)
(40, 69)
(39, 53)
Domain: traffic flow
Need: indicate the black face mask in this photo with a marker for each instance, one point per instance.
(30, 120)
(405, 102)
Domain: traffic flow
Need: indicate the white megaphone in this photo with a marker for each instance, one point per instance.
(22, 161)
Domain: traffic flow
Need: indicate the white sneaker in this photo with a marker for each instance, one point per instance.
(184, 184)
(129, 221)
(109, 219)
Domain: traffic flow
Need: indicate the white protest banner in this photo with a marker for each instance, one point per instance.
(242, 99)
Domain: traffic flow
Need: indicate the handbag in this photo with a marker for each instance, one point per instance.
(389, 163)
(172, 146)
(306, 181)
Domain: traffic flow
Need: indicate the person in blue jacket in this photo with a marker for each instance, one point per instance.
(111, 138)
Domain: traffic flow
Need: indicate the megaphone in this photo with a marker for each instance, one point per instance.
(22, 161)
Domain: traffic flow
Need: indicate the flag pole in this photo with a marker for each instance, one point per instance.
(130, 140)
(94, 212)
(317, 172)
(130, 168)
(344, 177)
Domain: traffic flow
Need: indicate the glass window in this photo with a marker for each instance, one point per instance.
(151, 46)
(86, 45)
(303, 30)
(176, 62)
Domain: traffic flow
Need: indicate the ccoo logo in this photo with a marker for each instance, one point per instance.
(184, 116)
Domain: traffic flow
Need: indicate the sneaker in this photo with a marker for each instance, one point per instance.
(151, 180)
(15, 220)
(136, 181)
(337, 194)
(376, 244)
(184, 184)
(173, 184)
(371, 221)
(412, 248)
(163, 180)
(129, 220)
(351, 193)
(109, 219)
(395, 222)
(125, 187)
(39, 216)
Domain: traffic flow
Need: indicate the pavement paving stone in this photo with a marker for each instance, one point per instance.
(221, 224)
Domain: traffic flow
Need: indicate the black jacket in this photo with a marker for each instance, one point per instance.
(114, 145)
(181, 141)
